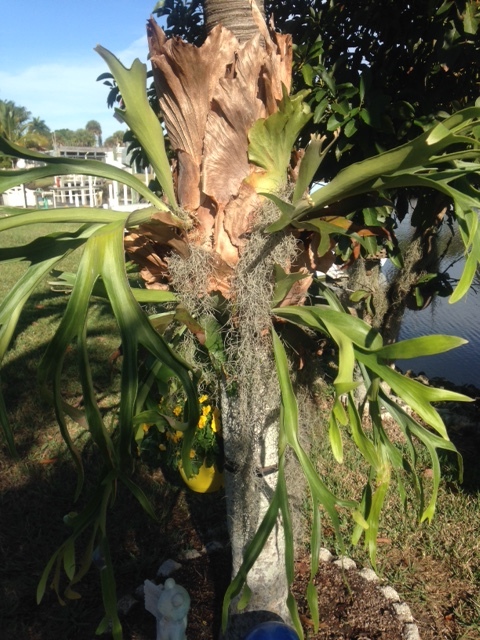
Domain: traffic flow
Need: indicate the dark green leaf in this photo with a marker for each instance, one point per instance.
(307, 73)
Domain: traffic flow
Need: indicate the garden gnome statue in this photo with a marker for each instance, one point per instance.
(169, 603)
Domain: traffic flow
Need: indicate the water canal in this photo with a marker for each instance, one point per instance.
(461, 366)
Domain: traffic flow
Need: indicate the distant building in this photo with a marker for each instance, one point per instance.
(79, 190)
(81, 153)
(116, 156)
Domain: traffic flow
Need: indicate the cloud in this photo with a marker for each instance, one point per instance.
(67, 95)
(138, 49)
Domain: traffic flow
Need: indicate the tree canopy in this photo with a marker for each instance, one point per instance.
(75, 138)
(13, 119)
(17, 125)
(115, 139)
(379, 72)
(37, 125)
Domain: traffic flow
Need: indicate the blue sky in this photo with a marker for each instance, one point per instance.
(47, 62)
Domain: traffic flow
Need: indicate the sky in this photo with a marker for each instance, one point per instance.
(47, 61)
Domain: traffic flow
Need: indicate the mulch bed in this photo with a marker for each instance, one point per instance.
(350, 607)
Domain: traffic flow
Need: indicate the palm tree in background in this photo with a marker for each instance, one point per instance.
(93, 126)
(16, 126)
(13, 120)
(77, 138)
(115, 139)
(38, 125)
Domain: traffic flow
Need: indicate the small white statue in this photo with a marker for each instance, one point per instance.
(169, 603)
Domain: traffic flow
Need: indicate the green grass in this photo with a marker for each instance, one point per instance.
(37, 491)
(39, 320)
(435, 567)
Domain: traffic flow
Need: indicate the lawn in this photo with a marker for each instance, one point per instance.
(435, 568)
(36, 491)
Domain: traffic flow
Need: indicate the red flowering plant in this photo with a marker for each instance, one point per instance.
(160, 442)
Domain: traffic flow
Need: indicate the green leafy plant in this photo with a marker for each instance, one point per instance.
(224, 248)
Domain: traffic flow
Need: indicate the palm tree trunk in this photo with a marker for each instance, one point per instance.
(250, 426)
(210, 97)
(234, 15)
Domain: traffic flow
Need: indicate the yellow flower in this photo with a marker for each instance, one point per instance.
(203, 399)
(177, 410)
(216, 424)
(162, 447)
(174, 437)
(192, 453)
(202, 422)
(206, 410)
(146, 427)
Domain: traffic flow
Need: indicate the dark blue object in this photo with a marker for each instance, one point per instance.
(272, 631)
